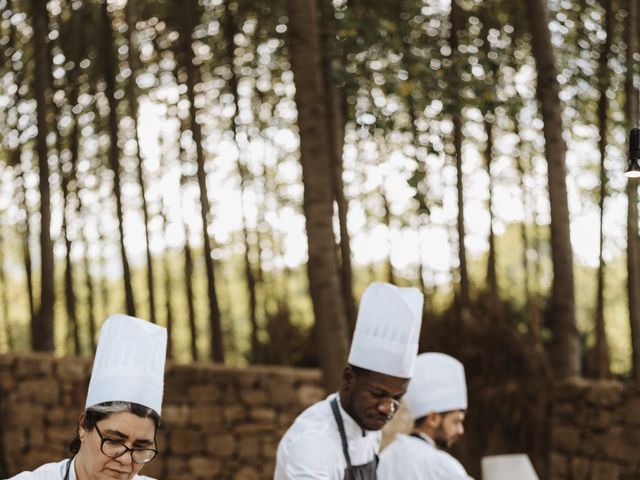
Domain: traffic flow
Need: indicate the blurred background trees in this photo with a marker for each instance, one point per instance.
(240, 171)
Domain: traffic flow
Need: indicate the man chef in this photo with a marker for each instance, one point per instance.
(437, 401)
(116, 432)
(339, 438)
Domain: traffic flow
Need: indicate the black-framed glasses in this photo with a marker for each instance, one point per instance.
(116, 448)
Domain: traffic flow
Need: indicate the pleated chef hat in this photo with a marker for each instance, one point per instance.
(508, 467)
(438, 385)
(386, 335)
(129, 363)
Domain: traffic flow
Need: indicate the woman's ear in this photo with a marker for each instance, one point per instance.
(82, 427)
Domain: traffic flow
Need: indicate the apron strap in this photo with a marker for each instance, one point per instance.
(343, 436)
(66, 473)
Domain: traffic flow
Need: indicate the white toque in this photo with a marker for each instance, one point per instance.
(129, 363)
(385, 339)
(438, 386)
(508, 467)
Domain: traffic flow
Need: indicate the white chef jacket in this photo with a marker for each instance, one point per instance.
(312, 449)
(56, 471)
(411, 458)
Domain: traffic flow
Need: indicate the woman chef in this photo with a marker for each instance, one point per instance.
(116, 432)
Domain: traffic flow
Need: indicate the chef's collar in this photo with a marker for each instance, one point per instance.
(426, 438)
(351, 427)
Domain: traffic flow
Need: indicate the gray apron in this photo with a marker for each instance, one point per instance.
(357, 472)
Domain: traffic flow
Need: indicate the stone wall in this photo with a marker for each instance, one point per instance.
(225, 424)
(595, 431)
(219, 423)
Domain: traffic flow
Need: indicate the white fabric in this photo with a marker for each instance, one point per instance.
(312, 449)
(129, 363)
(410, 458)
(56, 471)
(438, 385)
(508, 467)
(387, 330)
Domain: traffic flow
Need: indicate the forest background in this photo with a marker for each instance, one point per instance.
(473, 149)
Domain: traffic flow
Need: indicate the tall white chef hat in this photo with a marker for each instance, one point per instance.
(129, 363)
(438, 385)
(508, 467)
(386, 335)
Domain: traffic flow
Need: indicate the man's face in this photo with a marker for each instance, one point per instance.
(124, 427)
(372, 398)
(450, 429)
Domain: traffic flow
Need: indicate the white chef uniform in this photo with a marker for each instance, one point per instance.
(385, 341)
(57, 471)
(438, 386)
(412, 458)
(508, 467)
(128, 367)
(312, 448)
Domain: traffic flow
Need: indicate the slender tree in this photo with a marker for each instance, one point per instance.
(4, 296)
(231, 30)
(633, 243)
(187, 61)
(67, 175)
(492, 277)
(315, 155)
(564, 350)
(109, 71)
(24, 227)
(530, 294)
(602, 348)
(454, 42)
(336, 118)
(132, 99)
(42, 325)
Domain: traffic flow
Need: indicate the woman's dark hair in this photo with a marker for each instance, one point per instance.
(94, 414)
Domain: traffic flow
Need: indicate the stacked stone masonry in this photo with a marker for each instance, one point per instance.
(219, 423)
(595, 431)
(224, 424)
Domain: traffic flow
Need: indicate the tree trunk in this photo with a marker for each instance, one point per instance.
(168, 287)
(391, 278)
(188, 269)
(492, 277)
(25, 236)
(91, 297)
(422, 189)
(316, 154)
(132, 96)
(109, 72)
(69, 290)
(456, 26)
(633, 244)
(24, 229)
(530, 296)
(602, 369)
(216, 344)
(42, 326)
(188, 274)
(4, 297)
(564, 351)
(336, 118)
(230, 32)
(104, 277)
